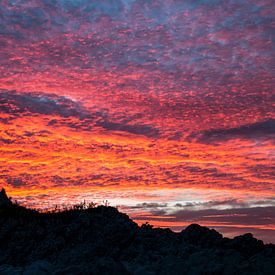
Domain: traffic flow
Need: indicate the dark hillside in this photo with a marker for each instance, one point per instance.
(101, 240)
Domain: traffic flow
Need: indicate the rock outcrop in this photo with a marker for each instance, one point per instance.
(101, 240)
(4, 200)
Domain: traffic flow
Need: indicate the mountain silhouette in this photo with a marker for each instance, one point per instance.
(100, 240)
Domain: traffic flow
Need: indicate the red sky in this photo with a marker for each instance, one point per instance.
(164, 108)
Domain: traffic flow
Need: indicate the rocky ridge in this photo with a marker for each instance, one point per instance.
(101, 240)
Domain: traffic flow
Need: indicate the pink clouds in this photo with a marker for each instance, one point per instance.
(125, 96)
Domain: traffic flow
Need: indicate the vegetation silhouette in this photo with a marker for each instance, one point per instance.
(87, 238)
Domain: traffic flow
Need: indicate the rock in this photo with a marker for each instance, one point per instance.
(200, 235)
(4, 200)
(247, 244)
(10, 270)
(171, 265)
(109, 266)
(101, 240)
(38, 267)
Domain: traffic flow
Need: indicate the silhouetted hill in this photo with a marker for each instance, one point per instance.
(101, 240)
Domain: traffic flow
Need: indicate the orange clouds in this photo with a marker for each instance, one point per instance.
(38, 152)
(134, 101)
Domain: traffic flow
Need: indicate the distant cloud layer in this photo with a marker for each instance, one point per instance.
(263, 129)
(138, 96)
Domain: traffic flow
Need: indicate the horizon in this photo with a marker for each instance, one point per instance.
(162, 108)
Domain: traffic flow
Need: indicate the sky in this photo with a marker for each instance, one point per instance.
(165, 108)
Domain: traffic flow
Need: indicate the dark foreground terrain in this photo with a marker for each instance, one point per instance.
(101, 240)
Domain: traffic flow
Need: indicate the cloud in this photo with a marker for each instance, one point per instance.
(231, 203)
(7, 141)
(149, 205)
(137, 129)
(243, 216)
(116, 88)
(17, 104)
(263, 129)
(16, 182)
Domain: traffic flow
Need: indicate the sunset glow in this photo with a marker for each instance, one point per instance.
(163, 108)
